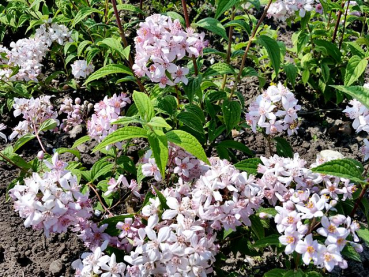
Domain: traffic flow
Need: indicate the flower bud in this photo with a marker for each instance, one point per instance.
(263, 215)
(90, 107)
(77, 101)
(40, 155)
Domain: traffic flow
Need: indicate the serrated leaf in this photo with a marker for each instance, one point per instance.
(276, 272)
(193, 88)
(107, 70)
(231, 113)
(350, 253)
(226, 233)
(159, 146)
(100, 168)
(23, 140)
(219, 69)
(91, 54)
(344, 168)
(175, 15)
(284, 149)
(159, 122)
(191, 120)
(270, 211)
(358, 92)
(120, 135)
(144, 105)
(249, 72)
(83, 13)
(81, 140)
(291, 72)
(162, 199)
(197, 111)
(214, 26)
(223, 6)
(188, 142)
(125, 120)
(267, 241)
(47, 125)
(257, 226)
(273, 50)
(236, 145)
(355, 68)
(82, 46)
(167, 105)
(114, 44)
(363, 233)
(239, 23)
(328, 48)
(112, 224)
(129, 7)
(249, 165)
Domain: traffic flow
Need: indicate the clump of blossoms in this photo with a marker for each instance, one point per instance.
(75, 113)
(161, 42)
(283, 9)
(360, 114)
(275, 111)
(80, 69)
(28, 53)
(51, 201)
(35, 111)
(106, 111)
(307, 209)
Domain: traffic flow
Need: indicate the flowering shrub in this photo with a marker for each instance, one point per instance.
(174, 190)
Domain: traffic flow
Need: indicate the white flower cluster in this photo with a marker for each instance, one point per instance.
(27, 54)
(159, 44)
(53, 201)
(74, 113)
(80, 69)
(275, 110)
(283, 9)
(106, 112)
(307, 198)
(35, 112)
(360, 114)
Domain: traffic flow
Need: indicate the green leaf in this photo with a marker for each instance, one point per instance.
(239, 23)
(167, 105)
(284, 149)
(125, 120)
(159, 146)
(191, 120)
(188, 142)
(91, 54)
(107, 70)
(313, 274)
(249, 165)
(350, 253)
(325, 72)
(144, 105)
(23, 140)
(159, 122)
(267, 241)
(226, 233)
(276, 272)
(231, 113)
(363, 233)
(223, 6)
(270, 211)
(128, 7)
(82, 46)
(196, 110)
(162, 199)
(291, 72)
(344, 168)
(100, 168)
(112, 223)
(47, 125)
(193, 88)
(120, 135)
(114, 44)
(294, 273)
(355, 68)
(249, 72)
(257, 226)
(80, 141)
(83, 13)
(219, 69)
(273, 50)
(236, 145)
(358, 92)
(175, 15)
(67, 150)
(214, 26)
(328, 48)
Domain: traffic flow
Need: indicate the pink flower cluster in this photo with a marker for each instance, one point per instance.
(35, 112)
(51, 201)
(80, 69)
(275, 111)
(28, 53)
(180, 162)
(106, 112)
(160, 43)
(283, 9)
(307, 197)
(360, 114)
(74, 113)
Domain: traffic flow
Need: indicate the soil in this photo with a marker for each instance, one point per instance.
(26, 252)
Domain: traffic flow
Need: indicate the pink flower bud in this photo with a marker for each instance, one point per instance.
(40, 155)
(77, 101)
(263, 215)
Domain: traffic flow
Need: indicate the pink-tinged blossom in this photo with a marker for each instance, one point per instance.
(2, 135)
(80, 69)
(275, 110)
(309, 249)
